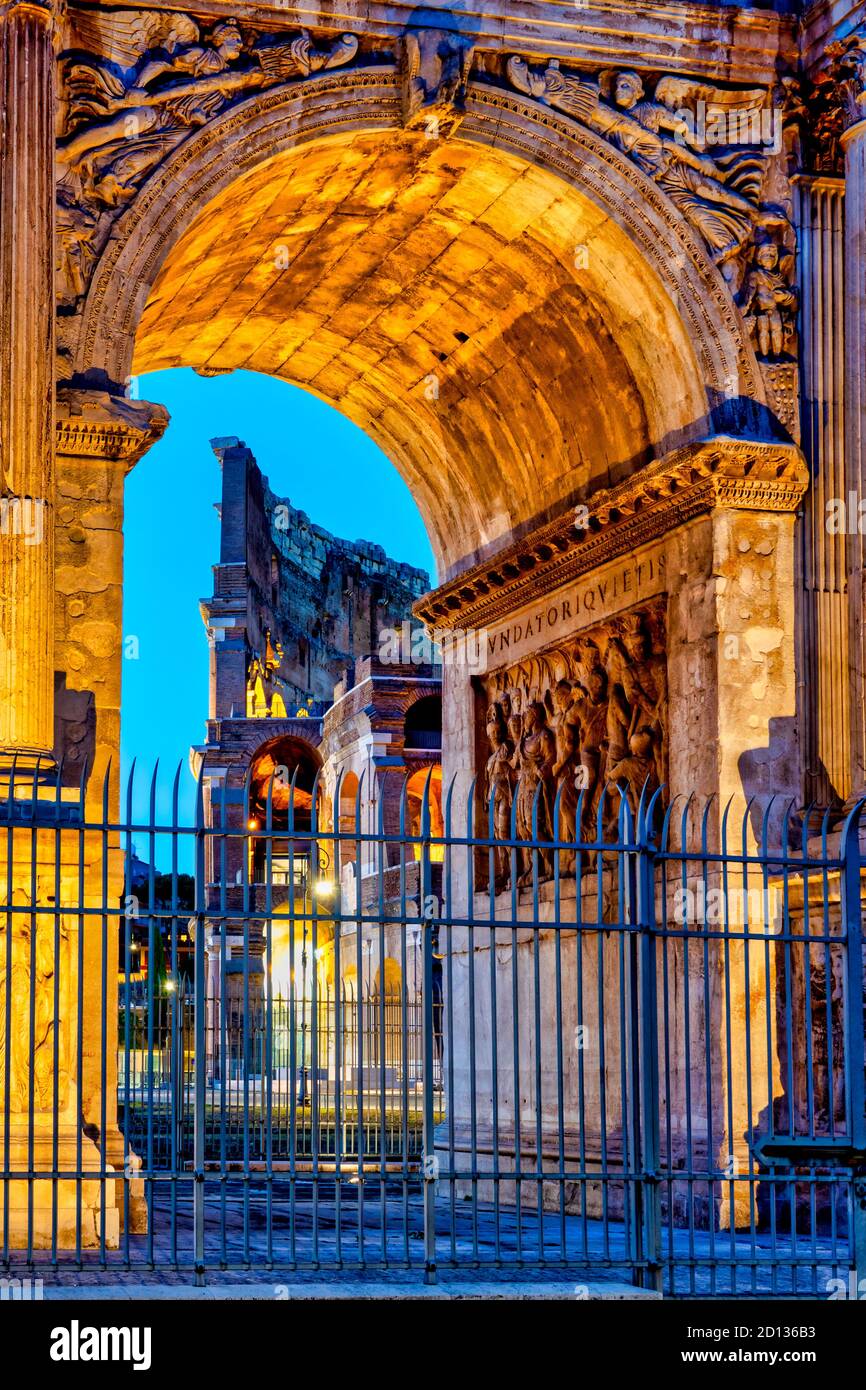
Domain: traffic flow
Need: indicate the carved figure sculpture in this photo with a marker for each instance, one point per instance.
(135, 86)
(848, 72)
(499, 782)
(29, 1042)
(769, 303)
(533, 760)
(586, 716)
(719, 196)
(638, 769)
(512, 708)
(593, 714)
(644, 685)
(567, 768)
(434, 73)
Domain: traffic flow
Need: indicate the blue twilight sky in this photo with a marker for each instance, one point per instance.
(312, 455)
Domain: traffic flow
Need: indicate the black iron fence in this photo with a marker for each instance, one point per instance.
(636, 1052)
(265, 1078)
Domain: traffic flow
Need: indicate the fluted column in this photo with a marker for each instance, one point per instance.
(27, 96)
(850, 73)
(822, 561)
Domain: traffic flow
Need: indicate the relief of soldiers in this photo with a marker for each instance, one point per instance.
(600, 727)
(645, 687)
(638, 769)
(499, 791)
(533, 760)
(566, 769)
(593, 714)
(511, 704)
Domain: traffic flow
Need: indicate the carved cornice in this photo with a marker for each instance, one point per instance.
(93, 424)
(691, 481)
(724, 44)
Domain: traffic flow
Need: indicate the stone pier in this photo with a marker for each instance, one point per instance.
(666, 662)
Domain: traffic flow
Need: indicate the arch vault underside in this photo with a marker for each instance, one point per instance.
(516, 314)
(505, 244)
(527, 283)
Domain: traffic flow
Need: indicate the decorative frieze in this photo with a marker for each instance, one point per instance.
(691, 481)
(708, 148)
(135, 85)
(564, 723)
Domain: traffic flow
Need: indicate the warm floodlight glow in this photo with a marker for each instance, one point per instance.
(325, 887)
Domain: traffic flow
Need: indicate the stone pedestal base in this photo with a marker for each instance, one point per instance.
(66, 1212)
(129, 1193)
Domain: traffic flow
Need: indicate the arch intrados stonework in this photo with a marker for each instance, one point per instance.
(667, 292)
(257, 130)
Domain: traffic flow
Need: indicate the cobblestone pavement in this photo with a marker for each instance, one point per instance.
(340, 1238)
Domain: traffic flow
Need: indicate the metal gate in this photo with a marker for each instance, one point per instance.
(243, 1044)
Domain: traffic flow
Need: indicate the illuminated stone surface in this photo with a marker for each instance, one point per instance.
(528, 282)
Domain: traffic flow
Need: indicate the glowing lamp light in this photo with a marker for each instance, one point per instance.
(325, 887)
(170, 986)
(252, 824)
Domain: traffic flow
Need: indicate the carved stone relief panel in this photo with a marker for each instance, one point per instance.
(434, 72)
(588, 713)
(134, 84)
(719, 155)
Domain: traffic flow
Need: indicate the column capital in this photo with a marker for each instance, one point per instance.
(856, 131)
(848, 68)
(49, 11)
(95, 424)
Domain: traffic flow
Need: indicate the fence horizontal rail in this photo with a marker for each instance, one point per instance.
(433, 1042)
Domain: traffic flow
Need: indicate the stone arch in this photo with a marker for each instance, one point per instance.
(649, 305)
(283, 770)
(423, 720)
(349, 817)
(388, 979)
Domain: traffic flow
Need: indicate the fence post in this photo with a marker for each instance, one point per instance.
(430, 1163)
(855, 1043)
(649, 1070)
(199, 1051)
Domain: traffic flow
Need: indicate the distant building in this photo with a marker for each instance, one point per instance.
(299, 701)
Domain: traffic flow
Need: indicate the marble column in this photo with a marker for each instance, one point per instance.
(99, 439)
(822, 631)
(27, 99)
(852, 87)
